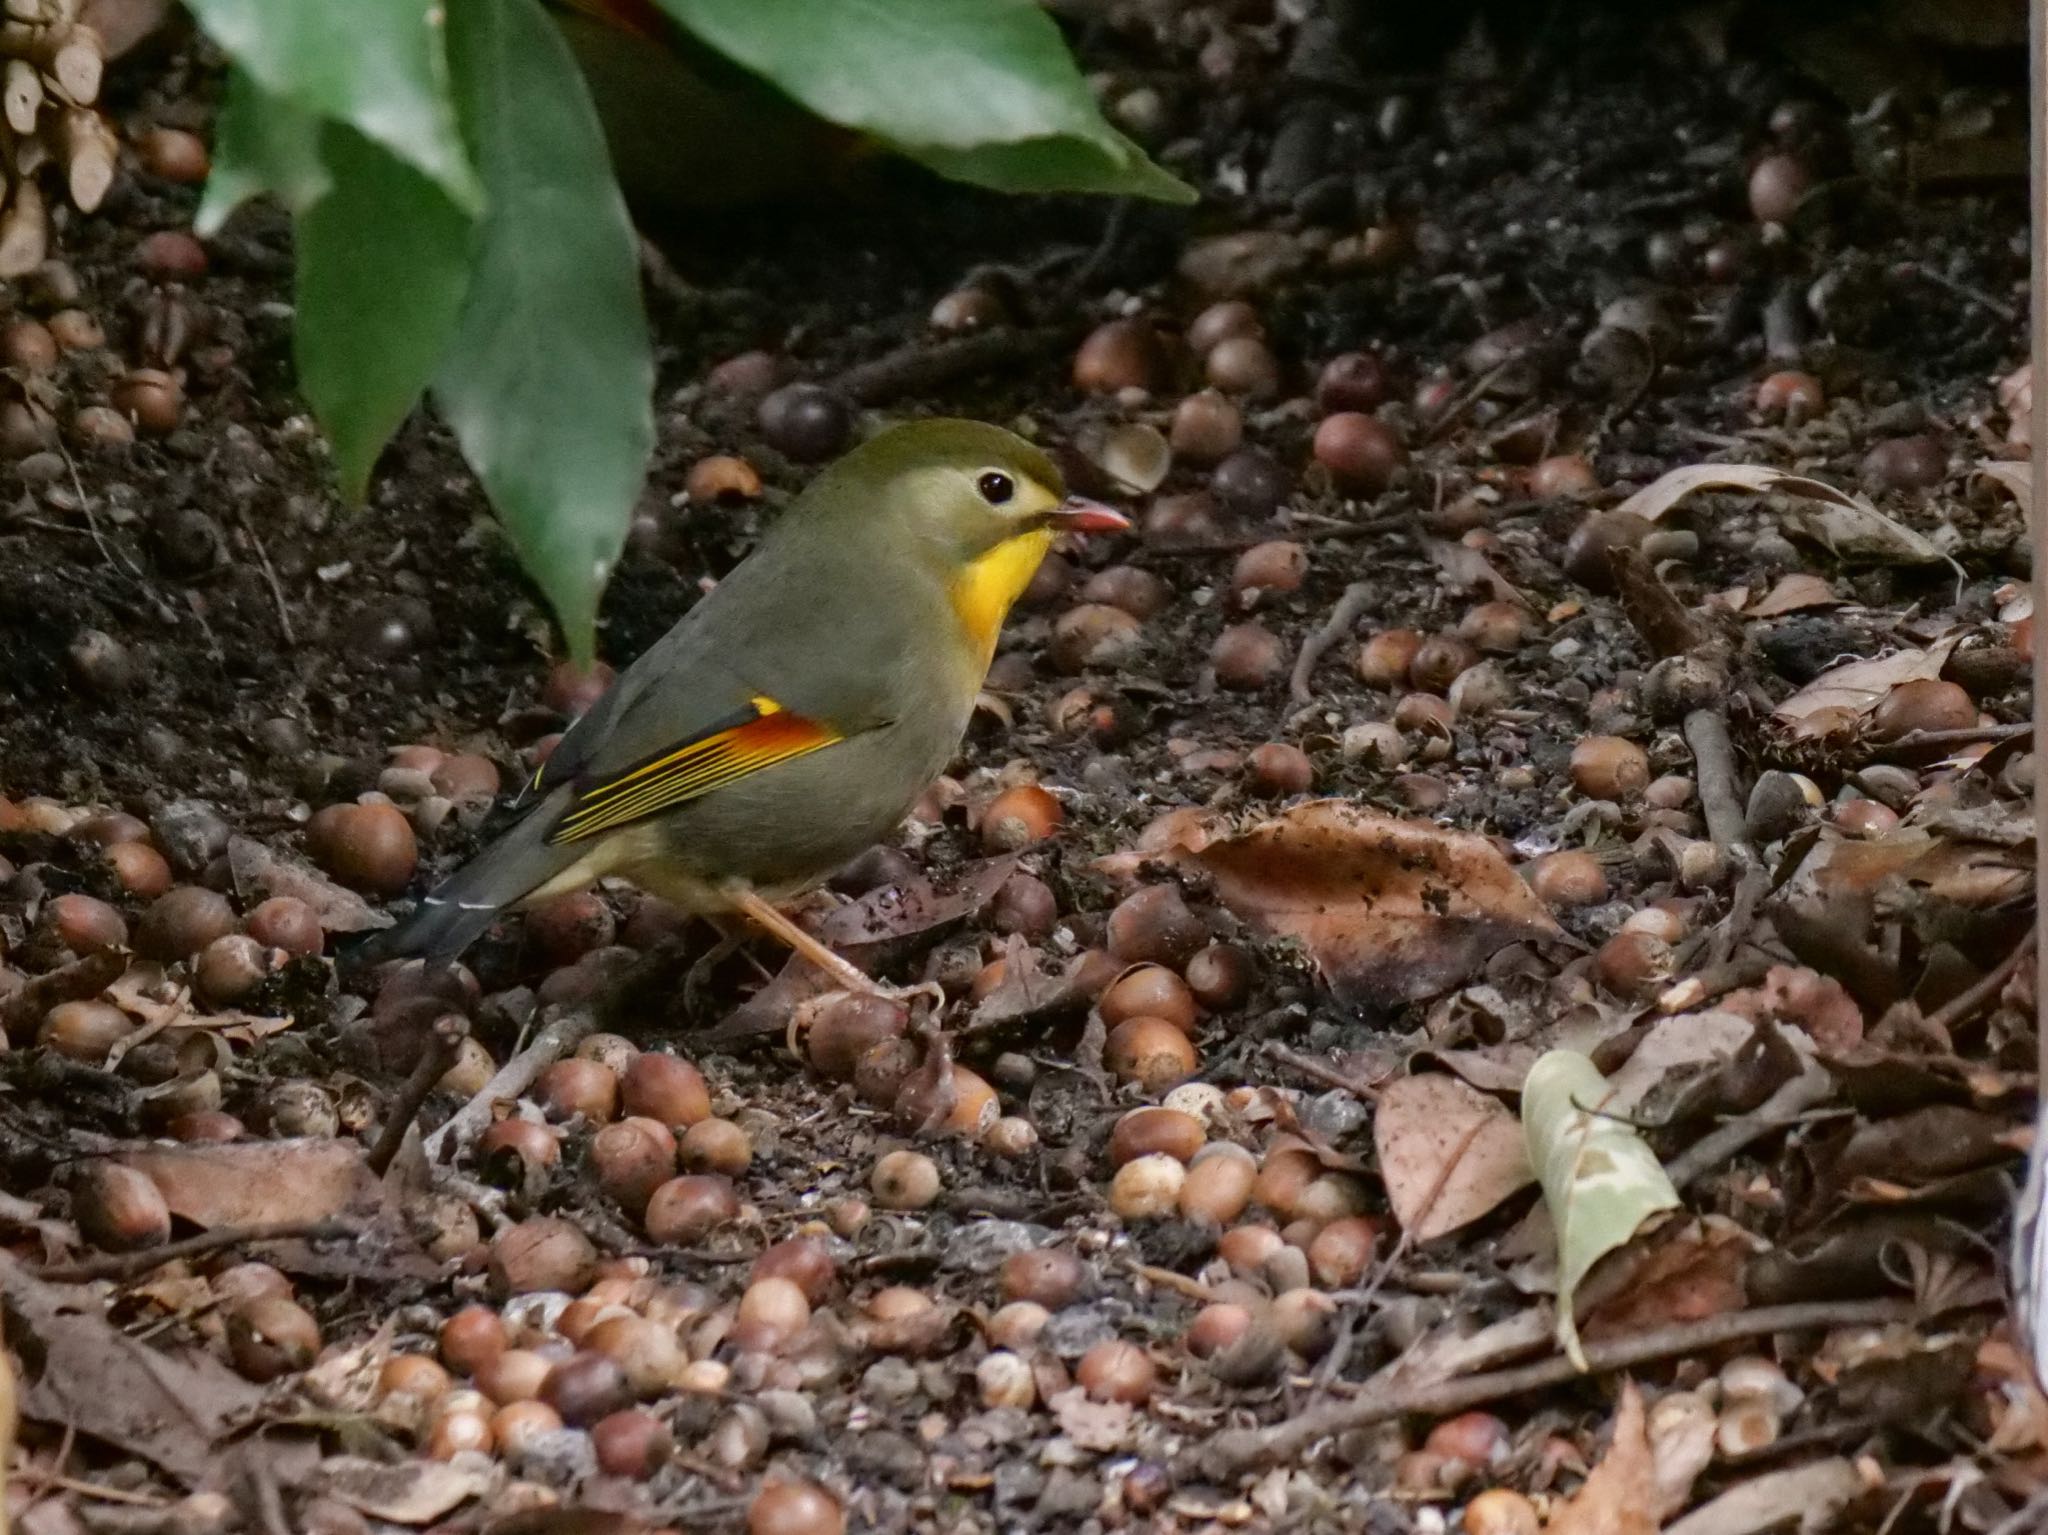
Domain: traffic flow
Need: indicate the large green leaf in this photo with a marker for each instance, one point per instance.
(377, 65)
(549, 381)
(1601, 1182)
(261, 144)
(1057, 163)
(983, 90)
(384, 261)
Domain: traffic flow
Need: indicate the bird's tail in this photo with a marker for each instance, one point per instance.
(459, 909)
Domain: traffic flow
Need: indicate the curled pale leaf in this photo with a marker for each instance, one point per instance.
(1601, 1182)
(1860, 686)
(1847, 525)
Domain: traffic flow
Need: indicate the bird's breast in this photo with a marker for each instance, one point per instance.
(988, 586)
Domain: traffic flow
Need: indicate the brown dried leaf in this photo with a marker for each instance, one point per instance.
(258, 1183)
(1795, 593)
(79, 1371)
(2016, 478)
(1846, 524)
(1860, 686)
(1390, 910)
(404, 1492)
(1425, 1121)
(1619, 1496)
(915, 906)
(1690, 1270)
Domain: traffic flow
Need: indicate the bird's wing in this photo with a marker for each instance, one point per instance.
(756, 735)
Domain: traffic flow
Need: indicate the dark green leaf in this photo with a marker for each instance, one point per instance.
(943, 81)
(384, 261)
(1055, 164)
(261, 144)
(377, 65)
(549, 380)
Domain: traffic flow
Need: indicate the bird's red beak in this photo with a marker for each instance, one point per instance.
(1080, 515)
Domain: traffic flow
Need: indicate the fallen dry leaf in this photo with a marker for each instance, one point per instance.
(1812, 1494)
(1847, 525)
(1860, 686)
(170, 1407)
(1692, 1270)
(1103, 1427)
(1619, 1495)
(404, 1492)
(258, 1183)
(1422, 1123)
(1389, 910)
(1795, 593)
(915, 906)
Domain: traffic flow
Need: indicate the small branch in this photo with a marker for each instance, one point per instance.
(78, 981)
(1719, 1147)
(1329, 1076)
(1713, 755)
(127, 1265)
(444, 1039)
(1917, 742)
(1967, 1004)
(1227, 1455)
(1658, 616)
(1357, 597)
(924, 366)
(513, 1078)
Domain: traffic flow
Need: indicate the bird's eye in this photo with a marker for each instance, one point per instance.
(995, 488)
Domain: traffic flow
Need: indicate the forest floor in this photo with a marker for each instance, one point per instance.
(1392, 745)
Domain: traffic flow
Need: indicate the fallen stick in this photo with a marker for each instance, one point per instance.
(444, 1039)
(1334, 628)
(127, 1265)
(1713, 754)
(1226, 1455)
(513, 1078)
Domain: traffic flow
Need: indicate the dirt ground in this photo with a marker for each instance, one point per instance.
(1807, 959)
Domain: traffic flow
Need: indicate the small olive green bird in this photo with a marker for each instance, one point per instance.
(796, 713)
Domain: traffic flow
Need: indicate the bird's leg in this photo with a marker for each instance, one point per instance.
(697, 979)
(848, 975)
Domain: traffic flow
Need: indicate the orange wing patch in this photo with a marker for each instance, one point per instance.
(765, 735)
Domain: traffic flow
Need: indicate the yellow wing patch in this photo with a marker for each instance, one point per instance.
(768, 734)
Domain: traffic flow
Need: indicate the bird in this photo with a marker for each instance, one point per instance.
(794, 715)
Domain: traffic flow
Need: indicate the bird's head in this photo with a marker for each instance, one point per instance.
(979, 503)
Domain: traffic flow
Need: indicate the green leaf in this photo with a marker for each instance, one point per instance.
(549, 381)
(377, 65)
(1600, 1180)
(261, 144)
(984, 90)
(1054, 164)
(384, 261)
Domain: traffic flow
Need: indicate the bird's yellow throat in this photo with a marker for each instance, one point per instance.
(986, 588)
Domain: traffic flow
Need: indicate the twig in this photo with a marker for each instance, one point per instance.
(444, 1039)
(1329, 1076)
(1658, 616)
(1961, 290)
(284, 617)
(924, 366)
(127, 1265)
(1474, 393)
(1718, 1147)
(1915, 742)
(1364, 1298)
(1967, 1004)
(1226, 1455)
(1714, 755)
(1349, 606)
(513, 1078)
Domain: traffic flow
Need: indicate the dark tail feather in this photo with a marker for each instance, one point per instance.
(462, 907)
